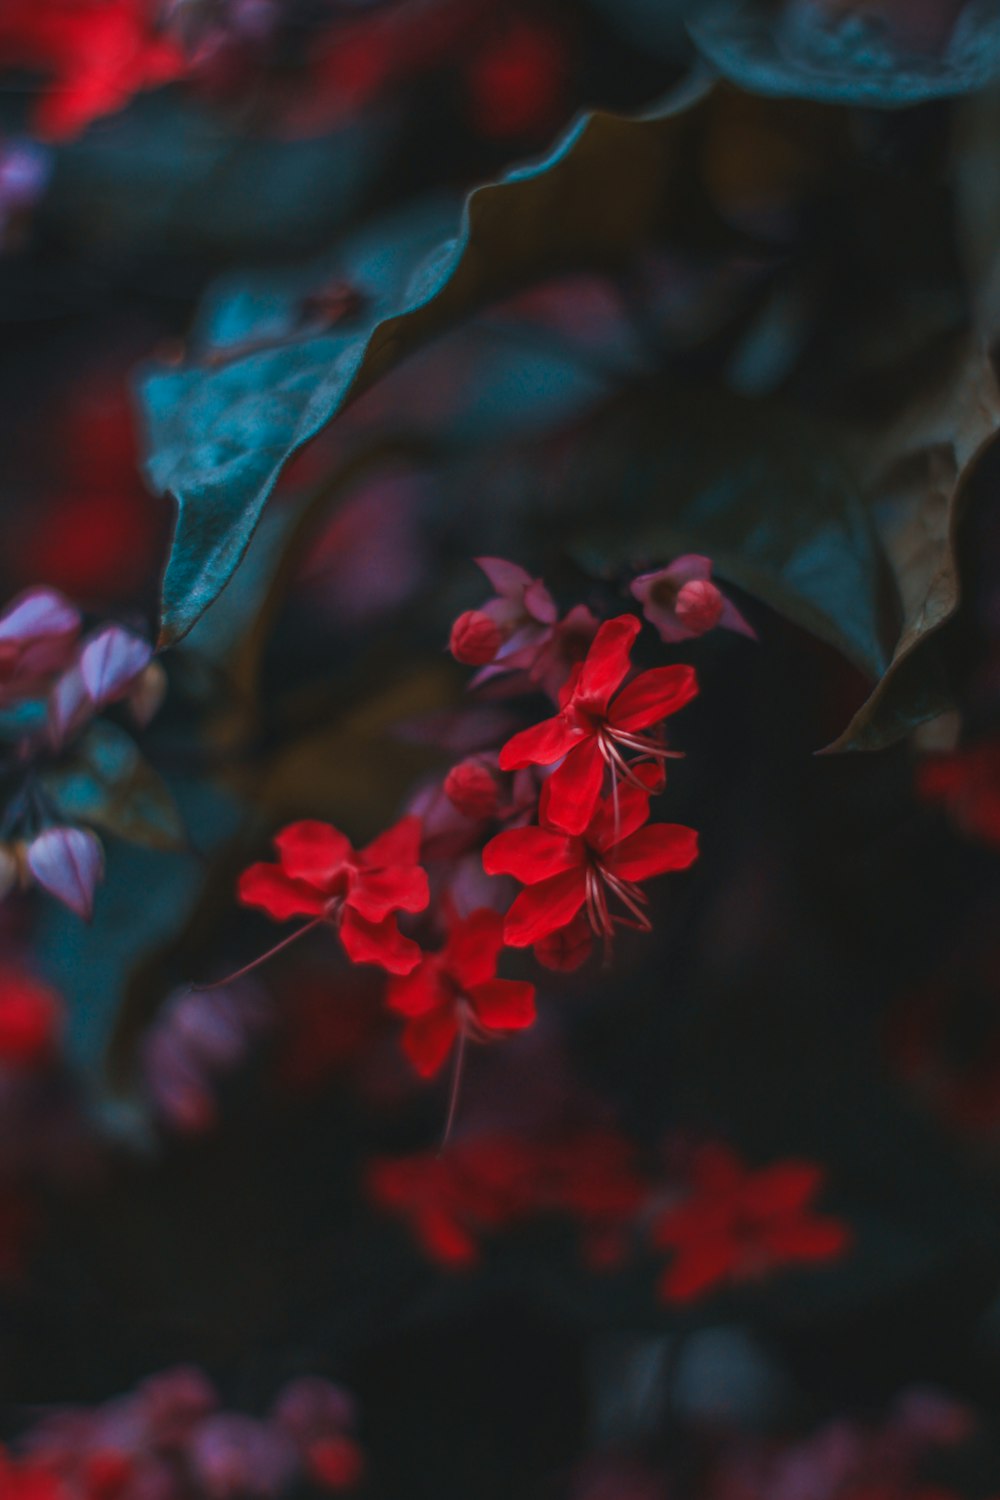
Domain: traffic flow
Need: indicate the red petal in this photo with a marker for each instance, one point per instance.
(607, 662)
(784, 1188)
(379, 943)
(530, 854)
(313, 851)
(427, 1040)
(504, 1004)
(570, 795)
(444, 1238)
(653, 851)
(543, 908)
(268, 887)
(473, 947)
(696, 1271)
(417, 993)
(399, 845)
(375, 893)
(540, 745)
(808, 1239)
(606, 829)
(652, 697)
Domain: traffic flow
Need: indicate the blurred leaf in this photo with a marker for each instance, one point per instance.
(806, 51)
(219, 436)
(762, 490)
(219, 190)
(111, 786)
(143, 902)
(919, 468)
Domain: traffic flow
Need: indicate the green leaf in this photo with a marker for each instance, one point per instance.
(918, 471)
(109, 785)
(767, 493)
(808, 52)
(219, 435)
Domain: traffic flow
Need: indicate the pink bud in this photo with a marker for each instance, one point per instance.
(111, 662)
(37, 615)
(70, 706)
(146, 695)
(475, 639)
(68, 863)
(472, 788)
(699, 606)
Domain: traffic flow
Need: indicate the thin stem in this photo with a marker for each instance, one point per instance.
(255, 963)
(458, 1068)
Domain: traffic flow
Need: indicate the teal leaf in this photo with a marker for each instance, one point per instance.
(110, 785)
(220, 432)
(847, 57)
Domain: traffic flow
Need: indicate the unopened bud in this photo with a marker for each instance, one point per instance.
(146, 695)
(472, 788)
(699, 606)
(475, 639)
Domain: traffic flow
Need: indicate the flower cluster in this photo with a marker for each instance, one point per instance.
(720, 1221)
(845, 1459)
(54, 680)
(172, 1439)
(480, 1185)
(562, 806)
(95, 55)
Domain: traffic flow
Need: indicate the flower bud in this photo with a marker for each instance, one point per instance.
(699, 606)
(475, 639)
(472, 789)
(68, 863)
(146, 695)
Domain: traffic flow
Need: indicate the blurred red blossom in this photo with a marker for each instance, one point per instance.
(31, 1016)
(967, 784)
(736, 1223)
(485, 1183)
(96, 53)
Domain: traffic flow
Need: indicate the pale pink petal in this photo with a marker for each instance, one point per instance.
(68, 863)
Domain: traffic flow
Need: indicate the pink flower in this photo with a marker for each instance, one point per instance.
(681, 602)
(520, 613)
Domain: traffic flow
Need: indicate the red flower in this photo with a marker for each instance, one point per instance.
(566, 873)
(968, 783)
(591, 732)
(30, 1018)
(456, 991)
(322, 877)
(736, 1224)
(97, 52)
